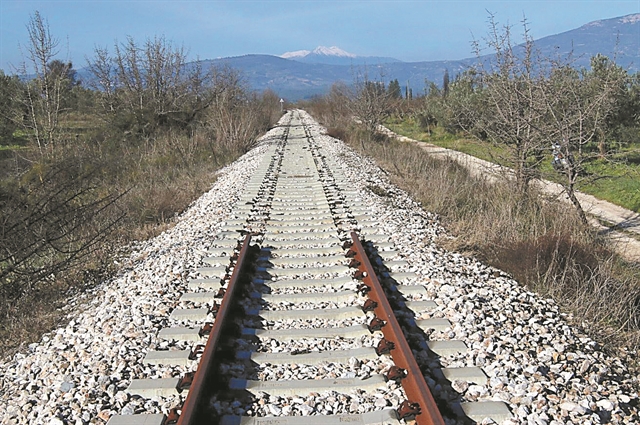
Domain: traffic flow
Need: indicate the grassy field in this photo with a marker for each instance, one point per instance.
(622, 187)
(621, 184)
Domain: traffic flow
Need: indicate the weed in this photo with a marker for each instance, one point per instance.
(377, 190)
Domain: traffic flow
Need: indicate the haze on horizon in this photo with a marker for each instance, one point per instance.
(410, 31)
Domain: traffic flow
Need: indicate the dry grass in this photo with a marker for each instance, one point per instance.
(540, 243)
(25, 318)
(156, 178)
(152, 198)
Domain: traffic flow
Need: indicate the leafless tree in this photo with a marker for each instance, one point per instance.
(235, 115)
(149, 86)
(103, 81)
(370, 102)
(503, 100)
(43, 92)
(339, 109)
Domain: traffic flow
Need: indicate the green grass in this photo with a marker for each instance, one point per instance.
(620, 186)
(71, 127)
(12, 147)
(441, 137)
(76, 122)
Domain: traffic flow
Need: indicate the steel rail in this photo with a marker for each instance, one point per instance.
(189, 414)
(413, 383)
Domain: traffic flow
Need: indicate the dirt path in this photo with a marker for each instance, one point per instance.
(620, 224)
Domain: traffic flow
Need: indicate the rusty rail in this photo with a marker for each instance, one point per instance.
(189, 414)
(420, 400)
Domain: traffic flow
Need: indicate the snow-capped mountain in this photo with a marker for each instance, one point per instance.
(318, 51)
(332, 51)
(296, 54)
(334, 56)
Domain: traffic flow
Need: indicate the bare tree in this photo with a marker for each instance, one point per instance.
(236, 115)
(43, 92)
(149, 86)
(337, 112)
(103, 80)
(370, 102)
(506, 107)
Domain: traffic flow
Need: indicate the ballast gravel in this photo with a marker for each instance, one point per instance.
(547, 371)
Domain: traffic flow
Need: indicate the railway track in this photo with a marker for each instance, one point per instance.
(300, 313)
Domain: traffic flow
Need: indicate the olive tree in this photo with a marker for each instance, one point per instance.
(10, 88)
(578, 105)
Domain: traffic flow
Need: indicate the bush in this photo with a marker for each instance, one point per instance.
(53, 219)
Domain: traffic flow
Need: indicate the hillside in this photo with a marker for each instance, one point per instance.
(305, 73)
(617, 38)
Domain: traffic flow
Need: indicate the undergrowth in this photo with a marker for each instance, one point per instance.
(66, 216)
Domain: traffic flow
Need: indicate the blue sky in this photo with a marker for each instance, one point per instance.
(407, 30)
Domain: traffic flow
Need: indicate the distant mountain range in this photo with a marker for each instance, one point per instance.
(305, 73)
(303, 78)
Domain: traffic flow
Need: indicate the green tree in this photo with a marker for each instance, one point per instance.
(428, 112)
(65, 75)
(445, 83)
(624, 123)
(394, 90)
(604, 71)
(10, 113)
